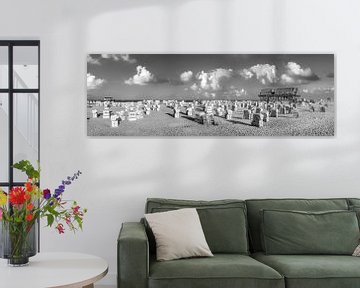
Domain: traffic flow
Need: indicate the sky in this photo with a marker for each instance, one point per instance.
(207, 76)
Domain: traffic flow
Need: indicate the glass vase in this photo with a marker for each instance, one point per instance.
(18, 242)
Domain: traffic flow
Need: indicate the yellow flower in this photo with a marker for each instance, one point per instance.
(3, 198)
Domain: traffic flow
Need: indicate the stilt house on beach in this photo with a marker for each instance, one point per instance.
(279, 94)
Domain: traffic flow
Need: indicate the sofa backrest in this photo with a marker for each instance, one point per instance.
(223, 221)
(353, 202)
(256, 205)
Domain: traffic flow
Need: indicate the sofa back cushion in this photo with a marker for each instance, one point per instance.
(354, 205)
(353, 201)
(255, 206)
(223, 221)
(298, 232)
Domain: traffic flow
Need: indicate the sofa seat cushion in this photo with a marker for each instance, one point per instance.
(313, 271)
(222, 270)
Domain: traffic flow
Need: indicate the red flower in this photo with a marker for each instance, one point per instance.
(17, 196)
(29, 217)
(29, 187)
(68, 219)
(27, 196)
(60, 228)
(75, 209)
(29, 206)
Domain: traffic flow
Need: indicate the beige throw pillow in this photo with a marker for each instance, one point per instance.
(178, 234)
(357, 251)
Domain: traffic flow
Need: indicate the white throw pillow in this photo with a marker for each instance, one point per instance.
(357, 251)
(178, 234)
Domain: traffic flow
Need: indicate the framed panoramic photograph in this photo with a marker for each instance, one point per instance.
(210, 95)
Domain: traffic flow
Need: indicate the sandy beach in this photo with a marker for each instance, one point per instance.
(162, 123)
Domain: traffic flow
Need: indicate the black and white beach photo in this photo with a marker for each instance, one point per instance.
(210, 95)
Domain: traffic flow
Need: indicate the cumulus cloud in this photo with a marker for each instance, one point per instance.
(117, 57)
(246, 73)
(93, 82)
(92, 60)
(194, 87)
(295, 74)
(186, 76)
(142, 77)
(240, 93)
(214, 80)
(127, 58)
(286, 79)
(265, 73)
(235, 91)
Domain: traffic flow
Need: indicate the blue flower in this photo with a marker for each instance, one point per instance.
(57, 193)
(64, 183)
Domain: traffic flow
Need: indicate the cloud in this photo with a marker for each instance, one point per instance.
(127, 58)
(206, 94)
(240, 93)
(265, 73)
(110, 56)
(93, 82)
(91, 60)
(295, 74)
(330, 75)
(234, 91)
(246, 74)
(194, 87)
(186, 76)
(305, 90)
(319, 90)
(286, 79)
(213, 80)
(142, 77)
(117, 57)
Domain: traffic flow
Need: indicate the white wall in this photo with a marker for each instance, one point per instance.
(120, 173)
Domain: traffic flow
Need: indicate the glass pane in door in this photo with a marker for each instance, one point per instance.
(4, 137)
(4, 67)
(26, 130)
(26, 74)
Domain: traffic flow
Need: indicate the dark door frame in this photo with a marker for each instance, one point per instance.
(10, 91)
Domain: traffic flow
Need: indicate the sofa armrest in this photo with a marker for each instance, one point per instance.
(133, 256)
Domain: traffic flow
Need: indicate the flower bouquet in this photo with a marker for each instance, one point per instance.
(21, 208)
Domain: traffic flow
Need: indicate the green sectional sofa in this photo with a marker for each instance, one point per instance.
(238, 234)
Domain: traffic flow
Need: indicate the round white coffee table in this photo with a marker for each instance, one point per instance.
(60, 270)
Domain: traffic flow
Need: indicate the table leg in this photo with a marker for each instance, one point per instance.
(89, 286)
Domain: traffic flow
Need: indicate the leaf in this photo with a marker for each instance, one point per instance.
(50, 219)
(26, 167)
(21, 165)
